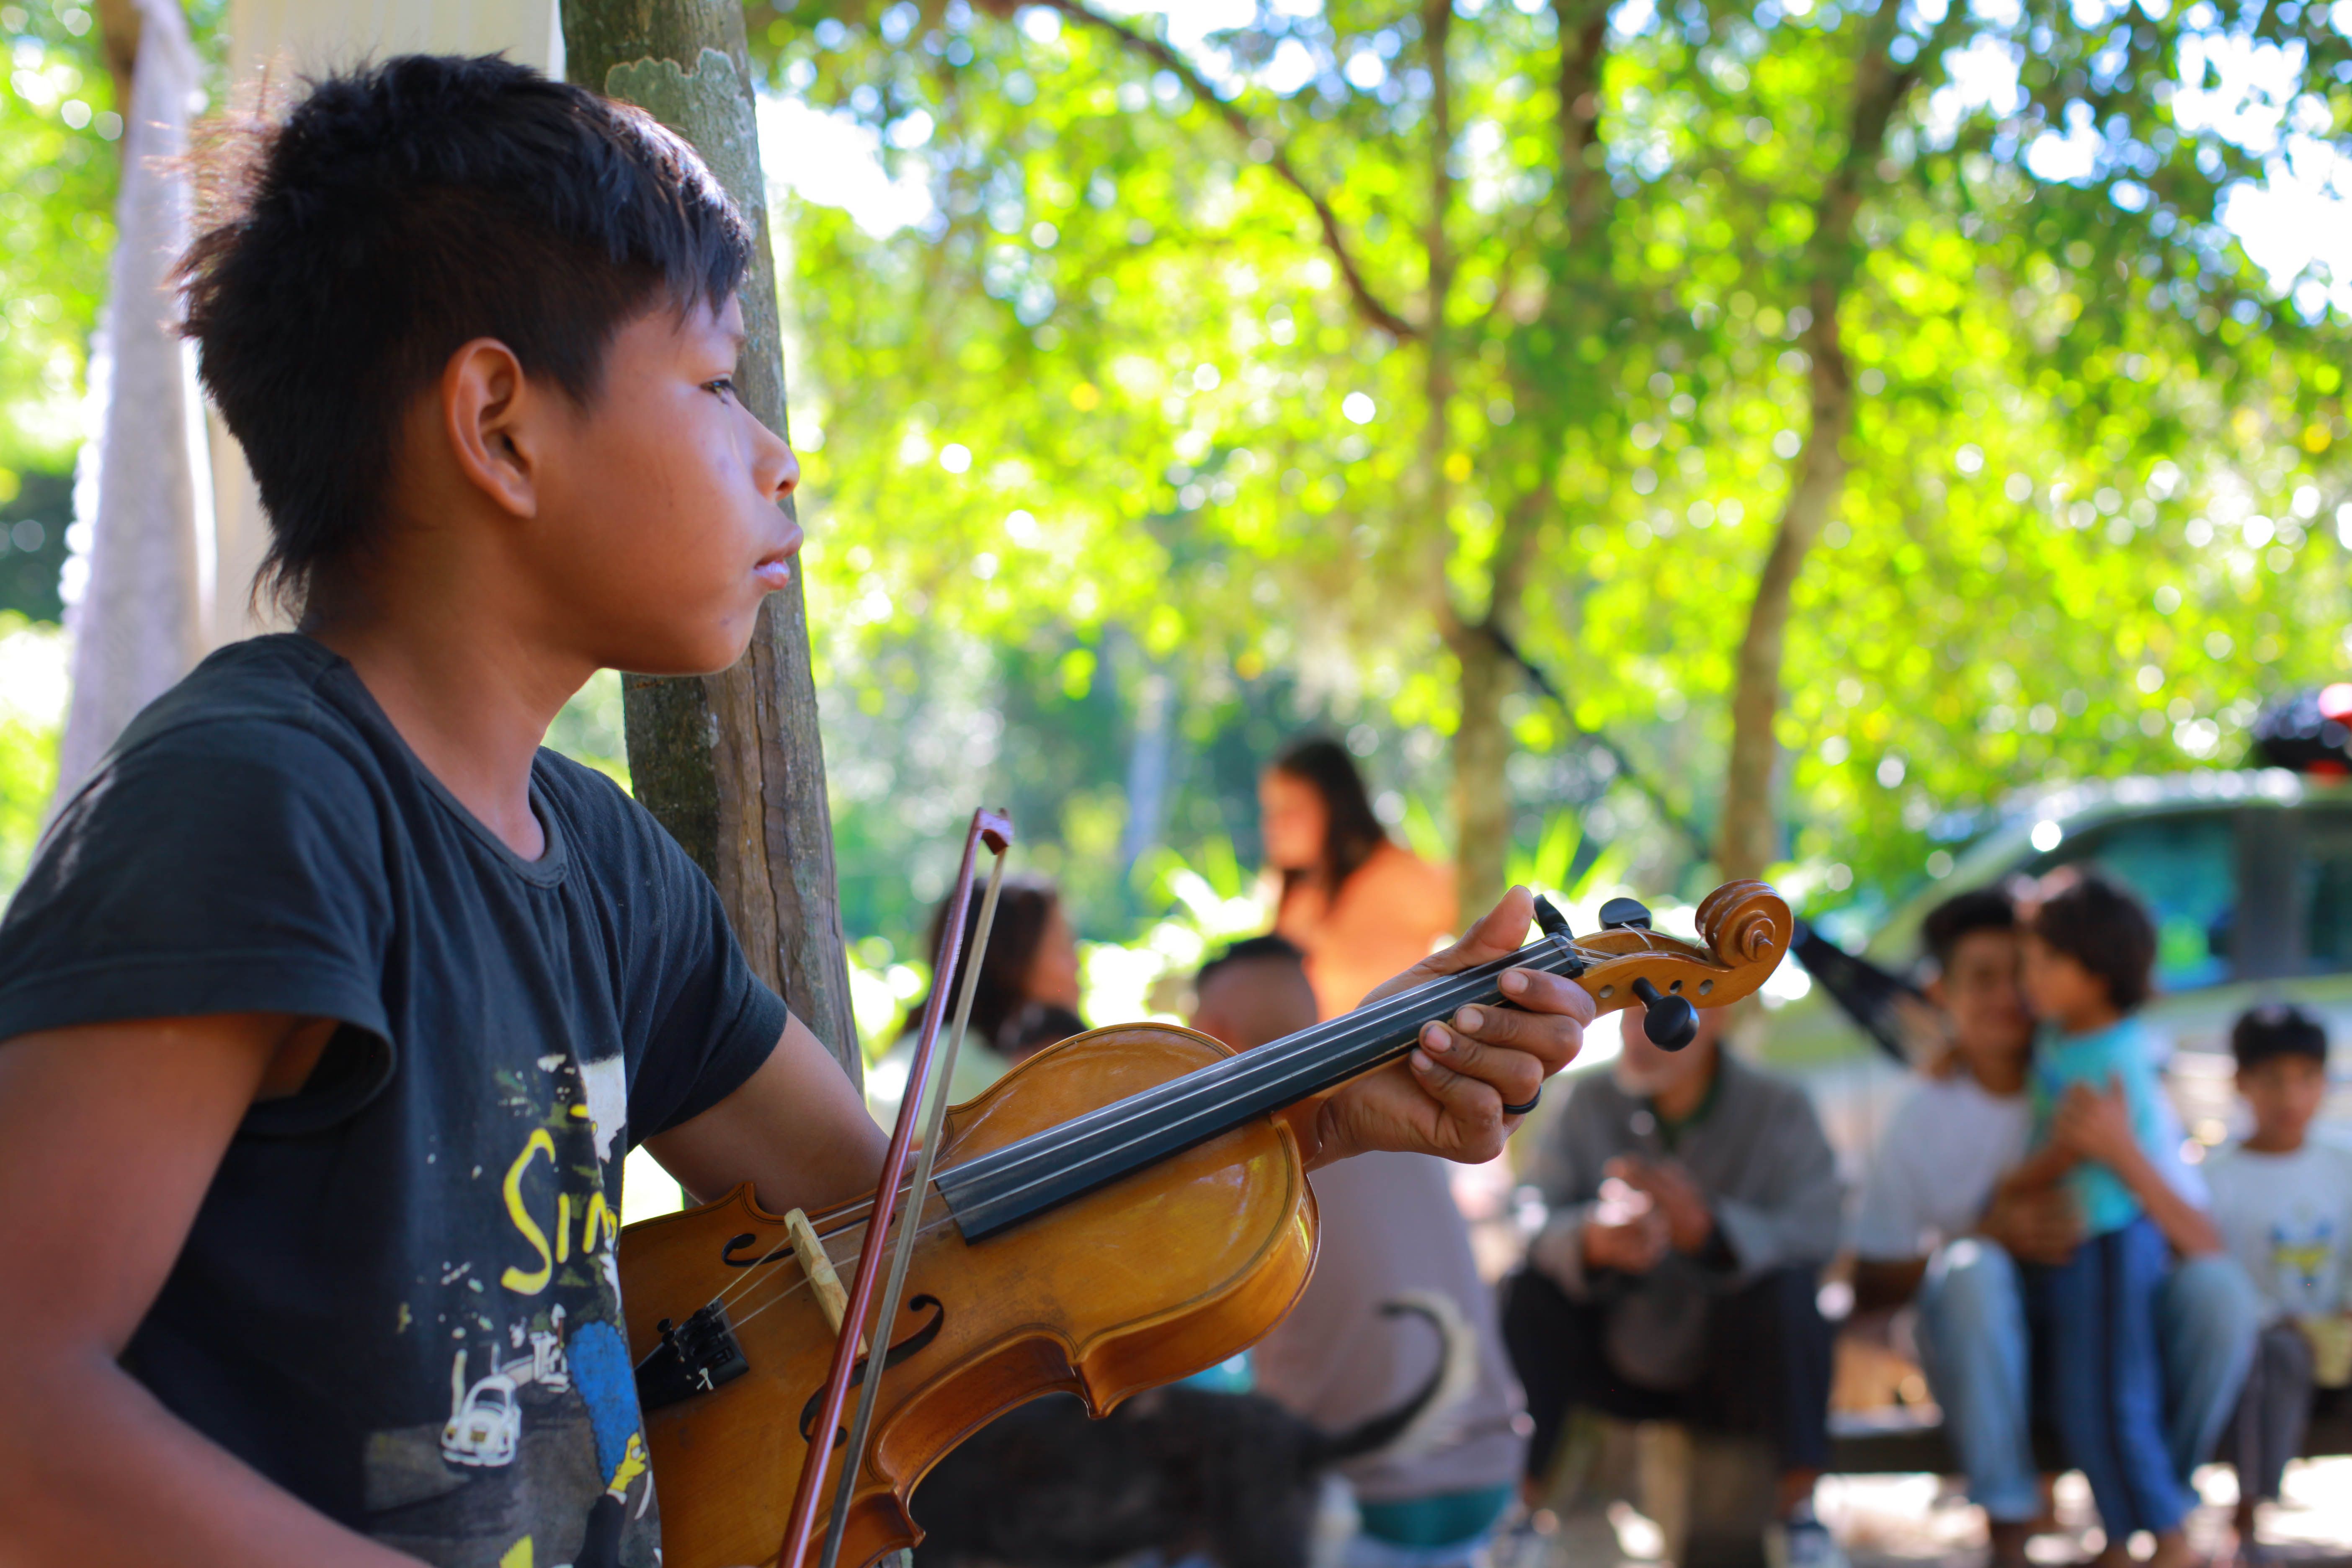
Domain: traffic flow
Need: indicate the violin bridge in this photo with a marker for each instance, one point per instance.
(818, 1266)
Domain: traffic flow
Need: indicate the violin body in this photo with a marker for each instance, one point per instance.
(1164, 1272)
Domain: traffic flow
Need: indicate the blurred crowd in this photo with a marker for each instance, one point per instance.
(2076, 1291)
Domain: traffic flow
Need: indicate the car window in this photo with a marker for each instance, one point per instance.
(2323, 894)
(2185, 867)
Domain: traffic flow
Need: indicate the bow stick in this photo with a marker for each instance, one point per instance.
(995, 830)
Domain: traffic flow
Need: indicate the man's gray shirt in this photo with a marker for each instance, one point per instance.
(1757, 1153)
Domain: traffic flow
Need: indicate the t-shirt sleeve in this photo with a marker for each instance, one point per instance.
(711, 1021)
(230, 866)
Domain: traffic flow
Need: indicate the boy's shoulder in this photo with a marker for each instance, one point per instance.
(276, 687)
(2235, 1167)
(259, 732)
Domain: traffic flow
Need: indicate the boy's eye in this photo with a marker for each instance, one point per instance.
(724, 386)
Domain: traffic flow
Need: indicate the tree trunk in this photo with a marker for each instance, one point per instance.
(1750, 831)
(731, 763)
(1482, 746)
(1750, 835)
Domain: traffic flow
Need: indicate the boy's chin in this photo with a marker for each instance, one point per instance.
(680, 656)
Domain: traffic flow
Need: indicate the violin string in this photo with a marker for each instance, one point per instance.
(735, 1292)
(1249, 1070)
(1292, 1058)
(787, 1292)
(782, 1257)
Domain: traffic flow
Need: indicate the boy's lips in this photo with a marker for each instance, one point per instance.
(775, 568)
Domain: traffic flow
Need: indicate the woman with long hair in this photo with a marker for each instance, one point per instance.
(1028, 997)
(1358, 904)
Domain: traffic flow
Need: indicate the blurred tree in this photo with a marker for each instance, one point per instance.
(1944, 290)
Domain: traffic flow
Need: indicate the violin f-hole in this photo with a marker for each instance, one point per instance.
(727, 1253)
(913, 1345)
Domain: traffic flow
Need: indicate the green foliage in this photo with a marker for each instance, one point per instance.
(59, 128)
(32, 718)
(588, 728)
(1119, 381)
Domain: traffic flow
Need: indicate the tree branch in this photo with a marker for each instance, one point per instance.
(1367, 304)
(1749, 836)
(1583, 28)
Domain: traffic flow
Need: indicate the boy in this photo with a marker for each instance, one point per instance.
(2089, 950)
(331, 1003)
(2284, 1204)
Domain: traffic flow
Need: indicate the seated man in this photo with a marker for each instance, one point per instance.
(1693, 1203)
(1935, 1223)
(1389, 1230)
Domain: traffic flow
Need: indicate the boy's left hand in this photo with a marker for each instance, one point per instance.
(2095, 1124)
(1446, 1097)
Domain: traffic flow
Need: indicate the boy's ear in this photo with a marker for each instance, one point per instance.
(487, 412)
(1935, 994)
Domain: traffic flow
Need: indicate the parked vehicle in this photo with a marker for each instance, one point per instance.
(2248, 875)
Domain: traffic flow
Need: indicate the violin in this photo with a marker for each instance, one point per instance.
(1122, 1210)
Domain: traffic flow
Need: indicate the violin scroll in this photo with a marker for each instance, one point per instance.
(1746, 920)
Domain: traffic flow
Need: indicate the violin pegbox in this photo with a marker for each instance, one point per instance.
(1747, 928)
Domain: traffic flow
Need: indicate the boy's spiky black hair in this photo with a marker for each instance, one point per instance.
(2097, 922)
(2276, 1029)
(402, 210)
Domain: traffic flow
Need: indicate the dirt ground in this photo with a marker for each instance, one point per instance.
(1926, 1521)
(1911, 1521)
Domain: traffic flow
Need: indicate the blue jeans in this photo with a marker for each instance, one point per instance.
(2094, 1318)
(1973, 1339)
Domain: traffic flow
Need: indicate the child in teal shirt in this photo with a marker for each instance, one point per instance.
(2089, 951)
(2119, 1057)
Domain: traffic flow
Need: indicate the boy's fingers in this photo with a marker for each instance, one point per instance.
(1471, 1106)
(1515, 1074)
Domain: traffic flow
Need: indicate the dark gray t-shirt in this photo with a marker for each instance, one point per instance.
(399, 1298)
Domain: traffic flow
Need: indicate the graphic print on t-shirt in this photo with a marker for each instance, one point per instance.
(541, 1393)
(2301, 1247)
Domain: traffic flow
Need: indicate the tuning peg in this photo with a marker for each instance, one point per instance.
(1549, 920)
(1671, 1022)
(1619, 914)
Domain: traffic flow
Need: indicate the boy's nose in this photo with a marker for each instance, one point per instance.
(777, 469)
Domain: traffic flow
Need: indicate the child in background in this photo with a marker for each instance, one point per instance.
(2284, 1206)
(2089, 949)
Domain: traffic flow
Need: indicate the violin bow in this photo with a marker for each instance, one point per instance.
(926, 1091)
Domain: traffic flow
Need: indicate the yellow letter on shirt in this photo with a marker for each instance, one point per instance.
(516, 1279)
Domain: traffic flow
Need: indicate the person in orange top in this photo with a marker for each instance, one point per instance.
(1357, 904)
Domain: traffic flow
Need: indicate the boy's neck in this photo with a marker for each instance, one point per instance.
(471, 699)
(2001, 1074)
(2280, 1141)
